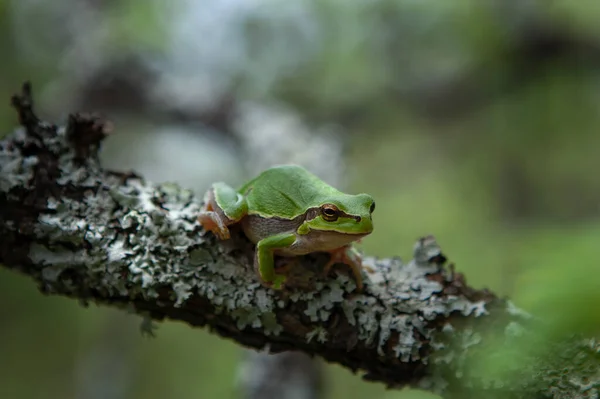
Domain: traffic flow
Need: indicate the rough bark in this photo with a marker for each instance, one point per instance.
(116, 239)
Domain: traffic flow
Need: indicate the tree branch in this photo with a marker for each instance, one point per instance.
(113, 238)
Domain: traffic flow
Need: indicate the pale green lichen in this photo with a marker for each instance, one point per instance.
(199, 257)
(182, 292)
(349, 307)
(270, 324)
(319, 332)
(15, 170)
(319, 307)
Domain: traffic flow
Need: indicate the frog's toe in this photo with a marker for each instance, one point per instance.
(278, 282)
(222, 234)
(210, 222)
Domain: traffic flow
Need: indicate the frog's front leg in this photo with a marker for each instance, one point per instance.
(264, 259)
(349, 256)
(223, 206)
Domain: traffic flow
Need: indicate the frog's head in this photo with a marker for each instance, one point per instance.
(346, 214)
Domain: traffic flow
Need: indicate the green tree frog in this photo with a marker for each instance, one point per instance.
(287, 211)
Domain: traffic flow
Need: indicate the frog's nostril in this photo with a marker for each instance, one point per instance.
(358, 219)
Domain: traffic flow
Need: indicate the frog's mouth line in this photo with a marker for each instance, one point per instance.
(343, 214)
(345, 233)
(355, 234)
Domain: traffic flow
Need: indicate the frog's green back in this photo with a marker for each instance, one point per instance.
(286, 191)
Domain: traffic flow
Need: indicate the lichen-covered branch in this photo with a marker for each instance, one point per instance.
(115, 239)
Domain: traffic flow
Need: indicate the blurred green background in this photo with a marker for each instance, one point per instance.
(475, 121)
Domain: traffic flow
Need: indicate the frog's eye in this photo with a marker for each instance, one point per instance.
(372, 207)
(330, 212)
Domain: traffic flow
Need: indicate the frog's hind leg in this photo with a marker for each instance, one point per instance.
(223, 206)
(349, 256)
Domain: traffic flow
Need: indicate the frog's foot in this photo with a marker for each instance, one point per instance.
(212, 221)
(277, 283)
(349, 256)
(280, 277)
